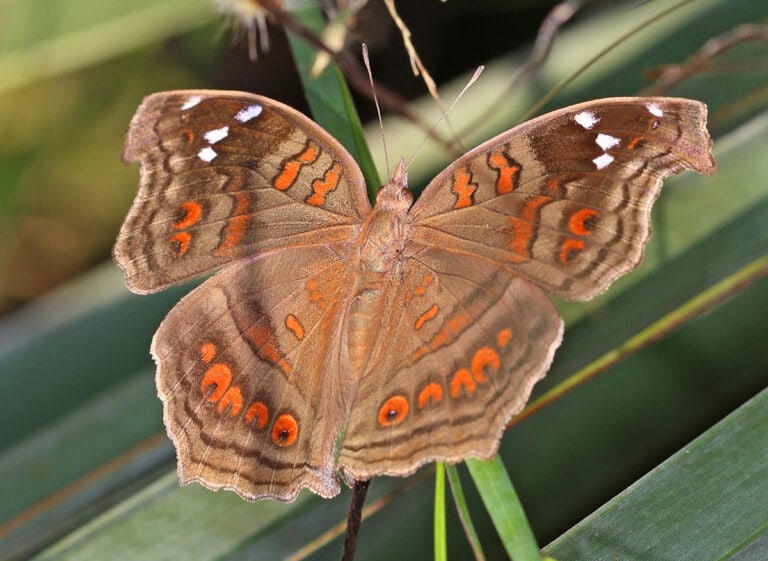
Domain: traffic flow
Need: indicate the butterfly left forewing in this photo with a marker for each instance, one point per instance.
(565, 199)
(226, 175)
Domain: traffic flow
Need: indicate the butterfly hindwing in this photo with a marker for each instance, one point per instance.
(460, 345)
(251, 376)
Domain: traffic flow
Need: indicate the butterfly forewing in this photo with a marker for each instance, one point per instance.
(565, 199)
(225, 175)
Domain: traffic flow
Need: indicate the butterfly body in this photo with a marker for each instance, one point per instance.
(343, 339)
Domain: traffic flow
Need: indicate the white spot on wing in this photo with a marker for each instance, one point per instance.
(603, 161)
(587, 119)
(654, 108)
(213, 136)
(606, 141)
(250, 112)
(191, 102)
(207, 154)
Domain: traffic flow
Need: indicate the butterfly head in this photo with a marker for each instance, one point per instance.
(395, 195)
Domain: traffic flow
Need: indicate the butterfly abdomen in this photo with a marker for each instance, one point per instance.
(377, 264)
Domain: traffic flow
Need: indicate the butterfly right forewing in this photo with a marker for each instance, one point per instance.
(565, 199)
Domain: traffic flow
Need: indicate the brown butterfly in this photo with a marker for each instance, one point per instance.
(368, 341)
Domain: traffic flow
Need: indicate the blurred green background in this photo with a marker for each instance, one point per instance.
(86, 471)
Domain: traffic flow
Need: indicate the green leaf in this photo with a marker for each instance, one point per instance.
(441, 549)
(705, 503)
(329, 98)
(41, 40)
(504, 506)
(463, 512)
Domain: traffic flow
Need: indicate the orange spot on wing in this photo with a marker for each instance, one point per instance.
(581, 222)
(266, 347)
(553, 185)
(484, 357)
(523, 226)
(315, 295)
(236, 227)
(257, 410)
(207, 351)
(393, 411)
(187, 136)
(634, 143)
(508, 171)
(291, 168)
(569, 248)
(425, 282)
(432, 391)
(192, 213)
(183, 239)
(462, 379)
(463, 188)
(237, 224)
(426, 316)
(293, 324)
(218, 375)
(285, 431)
(321, 187)
(450, 329)
(232, 399)
(503, 337)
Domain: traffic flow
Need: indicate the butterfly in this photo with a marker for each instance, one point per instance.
(343, 341)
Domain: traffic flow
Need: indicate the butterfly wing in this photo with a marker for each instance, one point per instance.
(460, 346)
(226, 175)
(565, 199)
(251, 375)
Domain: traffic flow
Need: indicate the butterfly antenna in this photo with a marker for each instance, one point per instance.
(367, 62)
(469, 83)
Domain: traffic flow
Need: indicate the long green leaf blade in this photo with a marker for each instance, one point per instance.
(504, 506)
(441, 547)
(329, 98)
(706, 503)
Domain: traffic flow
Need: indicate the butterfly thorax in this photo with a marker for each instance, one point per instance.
(386, 228)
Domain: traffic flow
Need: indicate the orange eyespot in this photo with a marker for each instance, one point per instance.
(285, 431)
(394, 411)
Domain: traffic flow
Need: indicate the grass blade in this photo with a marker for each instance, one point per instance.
(504, 506)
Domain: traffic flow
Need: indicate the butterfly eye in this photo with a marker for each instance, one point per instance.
(405, 195)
